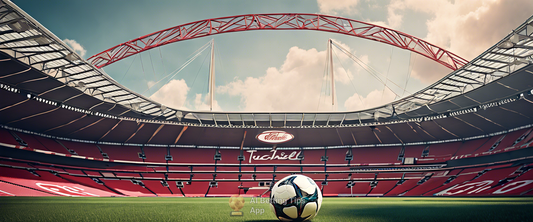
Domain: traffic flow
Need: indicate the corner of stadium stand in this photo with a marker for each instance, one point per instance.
(68, 129)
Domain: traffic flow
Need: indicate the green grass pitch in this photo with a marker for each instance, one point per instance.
(217, 209)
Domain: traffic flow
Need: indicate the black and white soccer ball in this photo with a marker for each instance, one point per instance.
(295, 198)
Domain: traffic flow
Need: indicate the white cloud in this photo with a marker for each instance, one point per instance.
(394, 20)
(466, 28)
(295, 86)
(338, 6)
(201, 103)
(373, 99)
(77, 47)
(172, 94)
(150, 83)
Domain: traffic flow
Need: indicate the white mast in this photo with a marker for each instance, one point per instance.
(212, 75)
(330, 54)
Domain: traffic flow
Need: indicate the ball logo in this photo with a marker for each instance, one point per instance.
(274, 136)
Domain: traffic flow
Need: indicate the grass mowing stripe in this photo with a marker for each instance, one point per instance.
(217, 209)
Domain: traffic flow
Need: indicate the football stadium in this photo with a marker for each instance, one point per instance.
(78, 145)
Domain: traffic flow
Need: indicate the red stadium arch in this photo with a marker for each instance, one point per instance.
(289, 21)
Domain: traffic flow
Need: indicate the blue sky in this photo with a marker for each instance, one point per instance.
(278, 70)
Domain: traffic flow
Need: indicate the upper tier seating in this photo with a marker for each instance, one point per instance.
(424, 154)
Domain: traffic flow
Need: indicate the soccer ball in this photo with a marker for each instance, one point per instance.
(295, 198)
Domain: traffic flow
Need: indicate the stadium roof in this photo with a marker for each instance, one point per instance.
(49, 89)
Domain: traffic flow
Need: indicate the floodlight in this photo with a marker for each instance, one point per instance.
(135, 106)
(506, 45)
(20, 26)
(42, 40)
(71, 57)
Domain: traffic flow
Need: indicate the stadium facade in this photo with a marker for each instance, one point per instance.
(67, 128)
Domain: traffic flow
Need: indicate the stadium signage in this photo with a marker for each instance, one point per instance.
(274, 136)
(65, 190)
(483, 186)
(274, 156)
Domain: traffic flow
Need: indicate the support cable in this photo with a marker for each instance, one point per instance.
(162, 63)
(128, 68)
(144, 74)
(368, 68)
(355, 88)
(387, 75)
(152, 62)
(323, 77)
(409, 69)
(178, 70)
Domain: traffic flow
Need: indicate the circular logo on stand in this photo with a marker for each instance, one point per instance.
(274, 137)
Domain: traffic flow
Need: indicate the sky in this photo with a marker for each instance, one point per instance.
(279, 71)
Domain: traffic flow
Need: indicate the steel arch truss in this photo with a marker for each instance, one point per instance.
(27, 41)
(292, 21)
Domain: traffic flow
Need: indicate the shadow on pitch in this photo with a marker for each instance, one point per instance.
(262, 220)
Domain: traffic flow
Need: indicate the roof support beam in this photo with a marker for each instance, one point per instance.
(155, 133)
(181, 133)
(136, 131)
(496, 61)
(116, 90)
(472, 79)
(25, 46)
(112, 128)
(75, 74)
(487, 67)
(509, 55)
(34, 115)
(66, 124)
(456, 80)
(478, 72)
(46, 61)
(449, 90)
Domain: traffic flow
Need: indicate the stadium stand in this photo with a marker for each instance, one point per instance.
(459, 144)
(10, 189)
(152, 182)
(83, 149)
(6, 137)
(470, 146)
(52, 145)
(122, 152)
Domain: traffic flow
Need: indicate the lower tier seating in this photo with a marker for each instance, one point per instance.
(33, 179)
